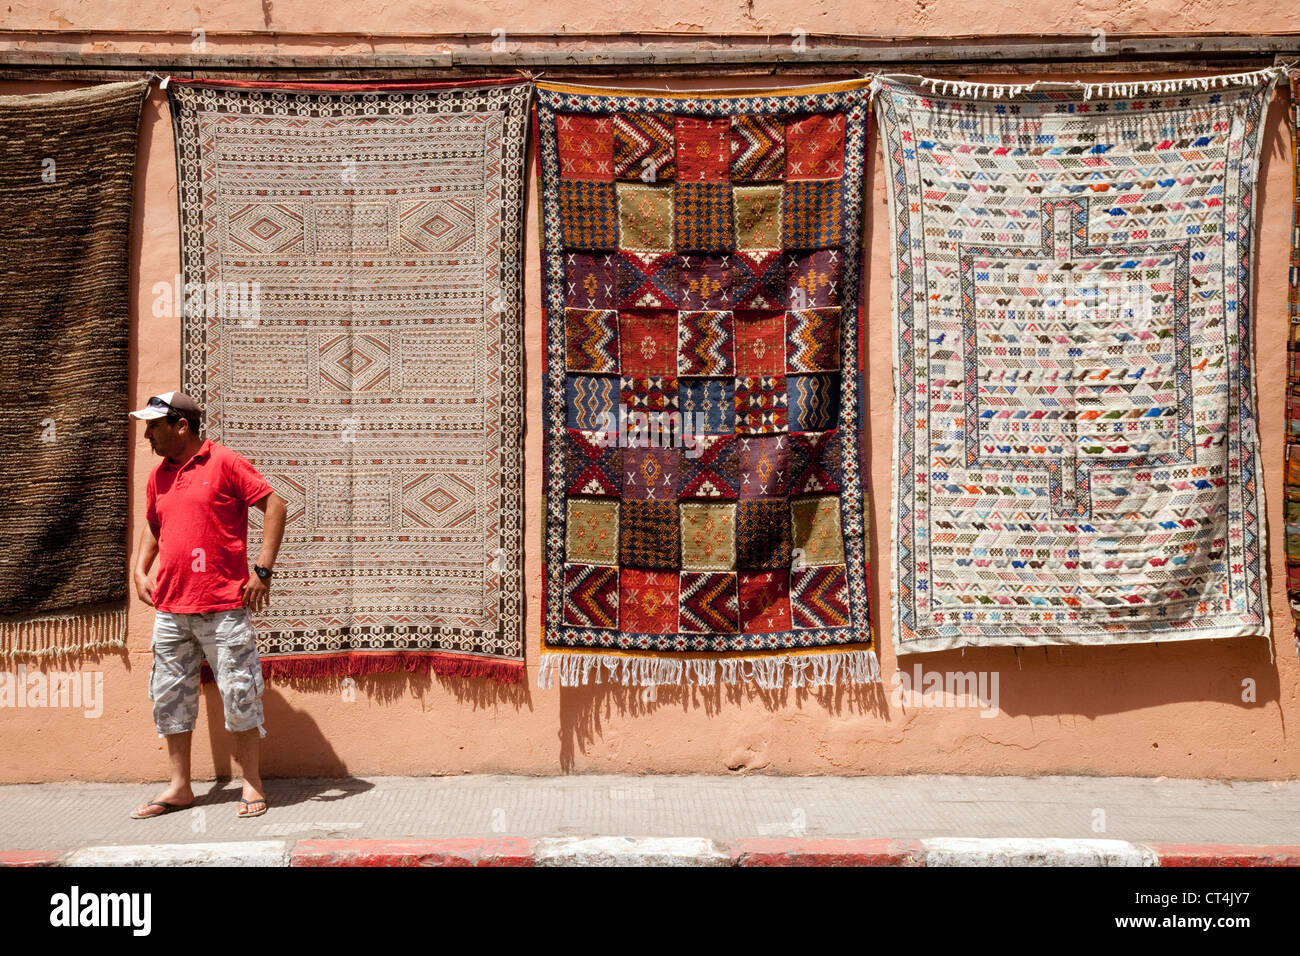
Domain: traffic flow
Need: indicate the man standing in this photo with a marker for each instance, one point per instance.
(197, 527)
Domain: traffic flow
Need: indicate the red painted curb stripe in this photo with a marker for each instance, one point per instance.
(506, 851)
(1210, 854)
(29, 857)
(800, 852)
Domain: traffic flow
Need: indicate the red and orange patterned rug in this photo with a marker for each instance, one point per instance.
(703, 386)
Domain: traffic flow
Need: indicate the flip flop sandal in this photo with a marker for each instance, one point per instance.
(167, 808)
(254, 813)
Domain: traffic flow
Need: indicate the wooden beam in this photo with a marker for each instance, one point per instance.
(572, 56)
(973, 54)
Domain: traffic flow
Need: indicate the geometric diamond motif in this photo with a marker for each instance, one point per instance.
(645, 217)
(761, 405)
(758, 217)
(764, 466)
(712, 398)
(760, 342)
(438, 501)
(708, 536)
(815, 530)
(649, 473)
(648, 341)
(352, 362)
(267, 228)
(438, 226)
(814, 402)
(648, 601)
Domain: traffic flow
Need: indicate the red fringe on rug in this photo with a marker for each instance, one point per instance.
(355, 665)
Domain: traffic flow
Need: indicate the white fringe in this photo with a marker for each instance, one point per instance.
(816, 670)
(54, 635)
(1128, 88)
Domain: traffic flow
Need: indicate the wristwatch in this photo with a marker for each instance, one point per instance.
(261, 572)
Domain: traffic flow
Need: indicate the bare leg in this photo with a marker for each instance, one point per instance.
(247, 744)
(178, 789)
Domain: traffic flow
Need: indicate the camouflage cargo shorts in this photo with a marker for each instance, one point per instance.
(229, 641)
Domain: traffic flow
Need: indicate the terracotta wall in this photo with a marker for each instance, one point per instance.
(1147, 710)
(391, 26)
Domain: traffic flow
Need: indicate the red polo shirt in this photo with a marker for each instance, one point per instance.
(199, 514)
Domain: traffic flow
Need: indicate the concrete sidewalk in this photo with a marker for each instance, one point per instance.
(722, 820)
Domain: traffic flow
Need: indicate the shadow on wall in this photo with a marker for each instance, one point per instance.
(296, 746)
(480, 694)
(583, 708)
(1093, 682)
(1086, 682)
(293, 744)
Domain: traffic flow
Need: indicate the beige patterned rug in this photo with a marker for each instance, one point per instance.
(1077, 453)
(352, 260)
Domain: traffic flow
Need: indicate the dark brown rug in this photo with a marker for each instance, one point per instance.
(67, 163)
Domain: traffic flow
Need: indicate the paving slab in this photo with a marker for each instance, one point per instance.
(63, 817)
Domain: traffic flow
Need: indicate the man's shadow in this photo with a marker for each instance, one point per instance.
(291, 736)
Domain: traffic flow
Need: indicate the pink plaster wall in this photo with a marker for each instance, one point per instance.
(1147, 710)
(296, 19)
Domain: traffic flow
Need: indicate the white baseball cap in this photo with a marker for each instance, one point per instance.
(160, 406)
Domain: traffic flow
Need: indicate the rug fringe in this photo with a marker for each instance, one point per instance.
(412, 662)
(816, 670)
(48, 636)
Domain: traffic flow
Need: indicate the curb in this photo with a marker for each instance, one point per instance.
(1017, 851)
(799, 852)
(1196, 854)
(666, 851)
(507, 851)
(630, 851)
(29, 857)
(255, 853)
